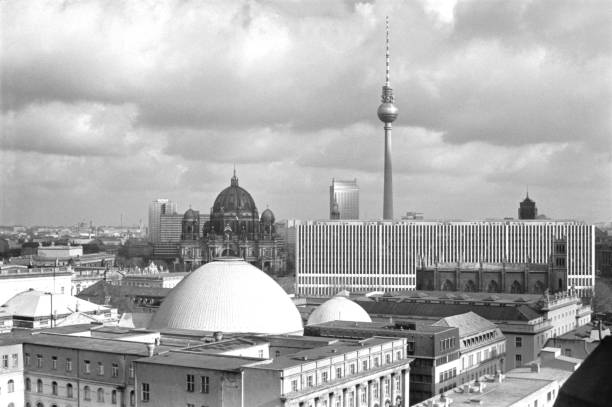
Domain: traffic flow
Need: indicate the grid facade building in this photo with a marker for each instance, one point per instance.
(158, 208)
(366, 256)
(344, 197)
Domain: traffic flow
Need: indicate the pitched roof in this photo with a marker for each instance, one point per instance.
(590, 385)
(468, 323)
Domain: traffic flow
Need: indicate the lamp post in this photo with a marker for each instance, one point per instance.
(51, 310)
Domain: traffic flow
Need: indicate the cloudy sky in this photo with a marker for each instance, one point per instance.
(108, 105)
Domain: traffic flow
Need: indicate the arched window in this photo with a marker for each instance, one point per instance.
(100, 395)
(447, 286)
(39, 386)
(69, 391)
(516, 288)
(470, 286)
(40, 405)
(11, 386)
(54, 388)
(114, 397)
(86, 393)
(493, 287)
(132, 398)
(28, 384)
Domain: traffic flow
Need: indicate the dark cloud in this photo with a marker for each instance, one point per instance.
(141, 100)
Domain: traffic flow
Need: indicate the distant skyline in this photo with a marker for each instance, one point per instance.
(107, 106)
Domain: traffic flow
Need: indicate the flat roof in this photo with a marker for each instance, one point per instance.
(91, 344)
(313, 354)
(390, 327)
(200, 361)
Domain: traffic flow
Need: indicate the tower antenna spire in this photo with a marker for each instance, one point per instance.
(388, 59)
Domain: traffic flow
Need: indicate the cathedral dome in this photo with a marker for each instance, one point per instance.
(234, 199)
(228, 295)
(338, 308)
(267, 216)
(190, 215)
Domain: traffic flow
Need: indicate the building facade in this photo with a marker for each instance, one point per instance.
(519, 278)
(344, 199)
(157, 208)
(364, 256)
(15, 279)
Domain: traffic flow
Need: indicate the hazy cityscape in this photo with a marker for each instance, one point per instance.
(306, 204)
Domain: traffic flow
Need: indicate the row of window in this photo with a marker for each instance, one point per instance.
(5, 361)
(68, 365)
(70, 391)
(479, 339)
(204, 383)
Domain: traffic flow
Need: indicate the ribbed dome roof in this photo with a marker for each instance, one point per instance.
(190, 215)
(338, 308)
(267, 216)
(228, 295)
(234, 199)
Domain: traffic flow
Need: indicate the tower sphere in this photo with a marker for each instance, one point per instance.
(387, 112)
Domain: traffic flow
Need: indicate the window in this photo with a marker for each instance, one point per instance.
(69, 391)
(15, 360)
(190, 383)
(100, 395)
(39, 386)
(11, 386)
(86, 393)
(69, 365)
(132, 398)
(54, 362)
(376, 363)
(27, 359)
(398, 355)
(324, 377)
(535, 403)
(388, 358)
(28, 384)
(39, 361)
(294, 385)
(204, 384)
(114, 397)
(260, 353)
(87, 367)
(364, 365)
(100, 369)
(352, 368)
(518, 342)
(5, 361)
(54, 388)
(190, 405)
(549, 396)
(131, 370)
(277, 353)
(145, 392)
(115, 370)
(518, 359)
(309, 381)
(338, 372)
(568, 352)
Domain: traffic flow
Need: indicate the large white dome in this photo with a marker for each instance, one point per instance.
(338, 308)
(228, 295)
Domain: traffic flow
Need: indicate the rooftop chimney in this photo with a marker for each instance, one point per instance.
(150, 349)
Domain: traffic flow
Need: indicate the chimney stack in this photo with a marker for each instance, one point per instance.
(150, 349)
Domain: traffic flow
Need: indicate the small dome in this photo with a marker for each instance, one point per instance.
(338, 308)
(228, 295)
(190, 215)
(387, 112)
(267, 216)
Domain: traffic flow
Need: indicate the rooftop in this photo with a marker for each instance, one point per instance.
(336, 348)
(397, 325)
(90, 344)
(201, 361)
(468, 323)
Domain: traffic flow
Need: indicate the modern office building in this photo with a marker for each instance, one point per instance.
(344, 199)
(363, 256)
(527, 209)
(157, 208)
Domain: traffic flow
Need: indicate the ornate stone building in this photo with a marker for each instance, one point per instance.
(234, 229)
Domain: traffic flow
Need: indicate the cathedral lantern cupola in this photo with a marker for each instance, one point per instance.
(190, 225)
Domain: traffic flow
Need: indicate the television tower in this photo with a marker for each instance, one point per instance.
(387, 113)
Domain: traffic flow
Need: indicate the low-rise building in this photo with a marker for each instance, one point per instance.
(534, 385)
(16, 278)
(580, 342)
(526, 320)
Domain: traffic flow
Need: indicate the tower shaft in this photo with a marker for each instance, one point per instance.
(388, 186)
